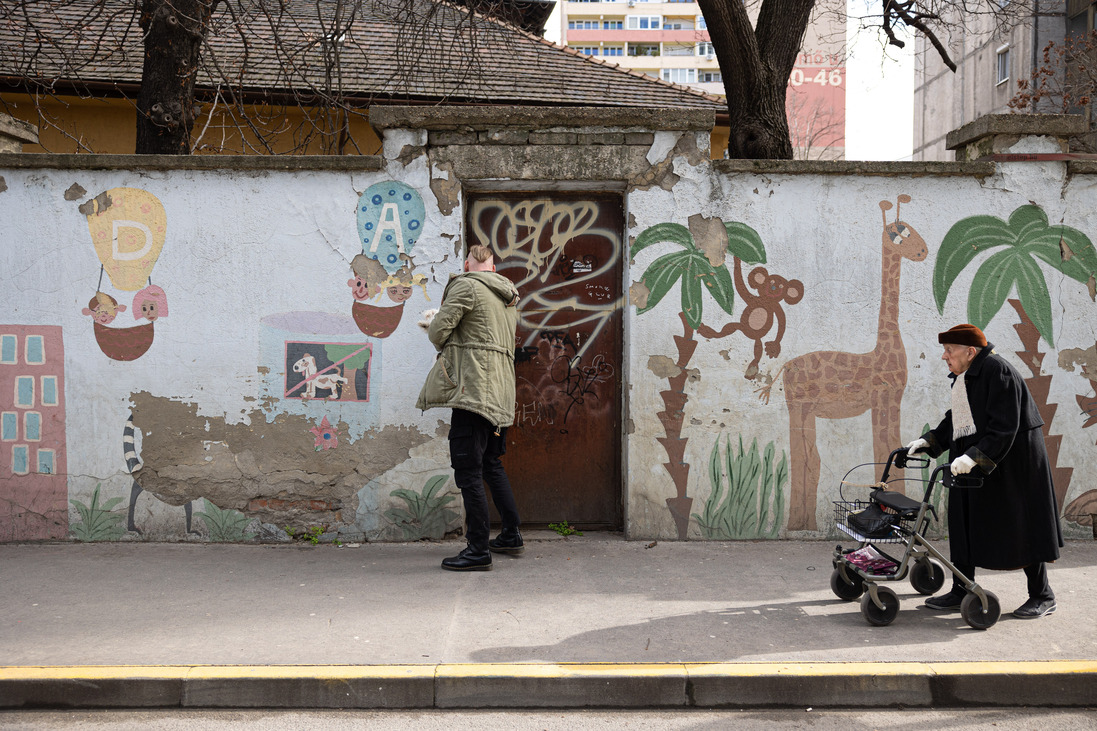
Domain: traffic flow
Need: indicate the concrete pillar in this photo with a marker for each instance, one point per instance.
(14, 133)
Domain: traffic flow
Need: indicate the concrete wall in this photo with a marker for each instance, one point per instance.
(190, 425)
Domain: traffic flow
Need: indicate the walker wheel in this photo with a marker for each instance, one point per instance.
(845, 590)
(927, 576)
(971, 609)
(874, 614)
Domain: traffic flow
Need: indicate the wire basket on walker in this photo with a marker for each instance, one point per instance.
(890, 521)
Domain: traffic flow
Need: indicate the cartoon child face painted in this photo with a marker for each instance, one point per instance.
(103, 308)
(399, 293)
(150, 303)
(360, 288)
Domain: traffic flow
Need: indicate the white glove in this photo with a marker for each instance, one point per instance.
(962, 465)
(918, 445)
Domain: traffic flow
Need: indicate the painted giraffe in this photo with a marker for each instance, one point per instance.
(829, 384)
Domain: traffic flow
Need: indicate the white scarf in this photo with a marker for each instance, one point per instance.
(963, 425)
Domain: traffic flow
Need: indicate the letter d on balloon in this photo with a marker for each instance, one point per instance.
(129, 255)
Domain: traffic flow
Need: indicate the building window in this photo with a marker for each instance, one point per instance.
(678, 24)
(36, 355)
(613, 25)
(701, 24)
(24, 391)
(32, 426)
(709, 77)
(705, 49)
(1003, 64)
(19, 459)
(643, 22)
(9, 426)
(582, 25)
(45, 461)
(8, 346)
(643, 50)
(588, 50)
(613, 51)
(680, 76)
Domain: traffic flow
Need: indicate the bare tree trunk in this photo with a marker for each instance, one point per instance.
(756, 64)
(174, 33)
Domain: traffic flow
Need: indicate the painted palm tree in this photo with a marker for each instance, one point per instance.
(1025, 241)
(692, 267)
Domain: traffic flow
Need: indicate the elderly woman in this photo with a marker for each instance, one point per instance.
(1012, 521)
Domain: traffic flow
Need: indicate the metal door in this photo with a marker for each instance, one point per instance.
(564, 252)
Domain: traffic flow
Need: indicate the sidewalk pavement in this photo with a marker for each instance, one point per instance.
(586, 621)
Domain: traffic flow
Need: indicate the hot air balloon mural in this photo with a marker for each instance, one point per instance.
(127, 227)
(390, 221)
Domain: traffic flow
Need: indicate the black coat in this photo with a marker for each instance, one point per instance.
(1012, 520)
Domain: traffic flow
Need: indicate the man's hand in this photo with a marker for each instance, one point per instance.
(962, 465)
(918, 445)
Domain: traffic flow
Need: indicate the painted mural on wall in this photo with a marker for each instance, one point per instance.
(831, 384)
(698, 270)
(390, 222)
(33, 459)
(747, 497)
(1020, 246)
(128, 227)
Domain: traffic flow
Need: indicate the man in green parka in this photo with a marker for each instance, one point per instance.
(474, 375)
(1012, 521)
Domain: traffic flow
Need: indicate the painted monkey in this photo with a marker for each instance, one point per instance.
(761, 309)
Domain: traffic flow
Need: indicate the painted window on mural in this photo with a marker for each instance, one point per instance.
(35, 352)
(49, 390)
(9, 426)
(8, 344)
(330, 371)
(45, 461)
(32, 426)
(19, 459)
(24, 391)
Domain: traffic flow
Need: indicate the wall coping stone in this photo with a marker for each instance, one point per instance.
(855, 167)
(1017, 125)
(56, 161)
(17, 129)
(480, 118)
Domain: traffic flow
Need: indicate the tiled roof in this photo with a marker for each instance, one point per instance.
(413, 50)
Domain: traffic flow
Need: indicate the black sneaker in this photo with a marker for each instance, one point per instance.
(508, 541)
(1035, 608)
(469, 559)
(947, 602)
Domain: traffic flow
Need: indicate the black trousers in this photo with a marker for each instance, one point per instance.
(475, 446)
(1038, 586)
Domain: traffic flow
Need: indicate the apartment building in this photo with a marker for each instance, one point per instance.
(989, 62)
(670, 41)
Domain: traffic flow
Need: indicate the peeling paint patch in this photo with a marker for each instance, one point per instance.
(1086, 358)
(638, 294)
(271, 464)
(711, 237)
(3, 184)
(75, 192)
(663, 367)
(447, 190)
(409, 153)
(98, 204)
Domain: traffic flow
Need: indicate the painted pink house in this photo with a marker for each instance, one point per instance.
(33, 491)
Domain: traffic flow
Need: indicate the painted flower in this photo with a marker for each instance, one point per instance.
(326, 436)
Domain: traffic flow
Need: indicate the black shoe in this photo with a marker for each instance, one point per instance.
(947, 602)
(509, 541)
(469, 559)
(1035, 608)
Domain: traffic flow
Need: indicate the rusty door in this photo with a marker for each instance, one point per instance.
(564, 252)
